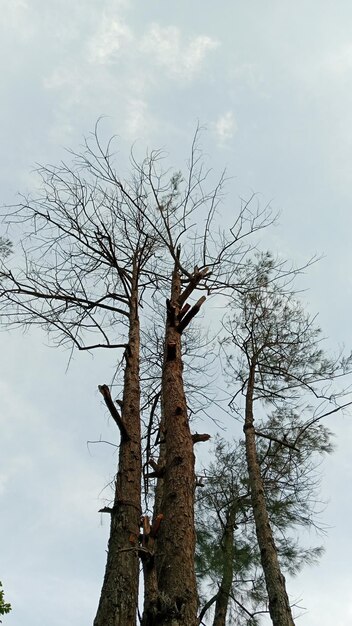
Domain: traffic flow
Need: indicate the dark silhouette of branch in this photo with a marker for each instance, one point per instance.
(190, 315)
(200, 437)
(320, 417)
(206, 607)
(282, 442)
(105, 391)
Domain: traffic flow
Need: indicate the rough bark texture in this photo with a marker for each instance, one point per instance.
(279, 606)
(151, 595)
(149, 574)
(223, 596)
(176, 538)
(119, 595)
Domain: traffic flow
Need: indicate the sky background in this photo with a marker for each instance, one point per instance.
(272, 83)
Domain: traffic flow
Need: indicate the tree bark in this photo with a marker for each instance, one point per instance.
(175, 546)
(279, 606)
(119, 595)
(151, 605)
(149, 574)
(223, 595)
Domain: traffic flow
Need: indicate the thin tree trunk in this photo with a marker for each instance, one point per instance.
(151, 591)
(223, 595)
(279, 606)
(175, 546)
(119, 595)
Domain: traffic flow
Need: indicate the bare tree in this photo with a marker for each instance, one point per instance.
(87, 258)
(96, 248)
(203, 260)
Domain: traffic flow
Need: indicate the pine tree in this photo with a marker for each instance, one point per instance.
(276, 362)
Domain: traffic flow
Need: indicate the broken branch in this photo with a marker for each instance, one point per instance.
(105, 392)
(200, 437)
(190, 315)
(194, 281)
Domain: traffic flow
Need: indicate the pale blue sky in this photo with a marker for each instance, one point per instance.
(272, 82)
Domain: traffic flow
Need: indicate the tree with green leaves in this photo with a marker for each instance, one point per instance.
(275, 359)
(228, 558)
(5, 607)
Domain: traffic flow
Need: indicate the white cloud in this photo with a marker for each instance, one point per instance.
(197, 50)
(111, 38)
(169, 51)
(136, 117)
(225, 127)
(114, 64)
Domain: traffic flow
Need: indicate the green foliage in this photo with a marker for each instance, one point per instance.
(270, 337)
(268, 326)
(5, 607)
(291, 486)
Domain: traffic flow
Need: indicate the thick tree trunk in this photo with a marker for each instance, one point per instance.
(177, 590)
(223, 595)
(279, 606)
(119, 595)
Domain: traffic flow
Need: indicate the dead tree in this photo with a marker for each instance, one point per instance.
(87, 257)
(119, 596)
(201, 259)
(176, 539)
(95, 248)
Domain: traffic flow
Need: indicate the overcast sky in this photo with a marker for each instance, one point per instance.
(272, 82)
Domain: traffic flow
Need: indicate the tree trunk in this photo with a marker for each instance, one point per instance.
(175, 546)
(150, 591)
(279, 606)
(151, 595)
(119, 595)
(223, 595)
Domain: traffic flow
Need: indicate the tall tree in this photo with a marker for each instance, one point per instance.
(86, 259)
(170, 583)
(176, 540)
(95, 246)
(280, 361)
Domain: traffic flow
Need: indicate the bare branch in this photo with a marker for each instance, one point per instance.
(105, 391)
(282, 442)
